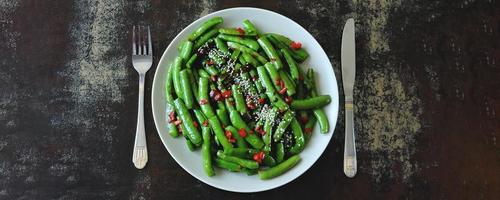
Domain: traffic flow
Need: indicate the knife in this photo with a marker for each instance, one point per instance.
(348, 61)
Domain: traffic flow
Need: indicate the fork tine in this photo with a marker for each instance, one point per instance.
(150, 47)
(143, 42)
(134, 47)
(139, 41)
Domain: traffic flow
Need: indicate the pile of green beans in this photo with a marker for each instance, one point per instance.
(242, 97)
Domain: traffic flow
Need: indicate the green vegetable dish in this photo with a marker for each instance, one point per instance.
(242, 97)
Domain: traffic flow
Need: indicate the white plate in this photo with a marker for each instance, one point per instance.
(265, 21)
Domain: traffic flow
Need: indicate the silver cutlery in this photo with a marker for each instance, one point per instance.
(348, 61)
(142, 59)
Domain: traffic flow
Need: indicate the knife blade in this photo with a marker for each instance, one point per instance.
(348, 62)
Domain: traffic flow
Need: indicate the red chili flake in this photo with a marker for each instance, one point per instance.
(226, 94)
(250, 105)
(242, 132)
(213, 78)
(282, 84)
(288, 99)
(262, 101)
(258, 157)
(205, 123)
(218, 97)
(295, 45)
(209, 62)
(277, 81)
(308, 130)
(231, 140)
(195, 124)
(240, 30)
(304, 119)
(283, 90)
(172, 116)
(177, 122)
(228, 134)
(203, 101)
(301, 78)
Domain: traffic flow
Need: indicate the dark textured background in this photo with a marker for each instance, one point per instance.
(428, 95)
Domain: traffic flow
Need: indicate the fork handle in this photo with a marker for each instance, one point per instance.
(140, 155)
(350, 160)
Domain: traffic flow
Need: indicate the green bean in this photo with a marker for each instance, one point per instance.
(172, 129)
(234, 31)
(233, 167)
(203, 73)
(168, 86)
(238, 122)
(266, 138)
(310, 103)
(212, 70)
(186, 50)
(245, 49)
(221, 45)
(205, 37)
(235, 54)
(187, 90)
(280, 152)
(256, 81)
(240, 142)
(308, 128)
(279, 169)
(250, 164)
(176, 77)
(204, 27)
(320, 115)
(223, 116)
(194, 85)
(219, 132)
(192, 59)
(266, 82)
(250, 59)
(280, 130)
(274, 75)
(250, 43)
(206, 150)
(191, 131)
(294, 69)
(270, 52)
(238, 152)
(242, 60)
(203, 95)
(289, 84)
(299, 54)
(230, 104)
(298, 135)
(239, 99)
(249, 27)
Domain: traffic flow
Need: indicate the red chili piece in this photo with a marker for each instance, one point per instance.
(295, 45)
(288, 99)
(277, 81)
(203, 101)
(283, 90)
(226, 94)
(195, 124)
(308, 130)
(242, 132)
(172, 116)
(209, 62)
(241, 31)
(304, 119)
(177, 122)
(262, 101)
(205, 123)
(258, 157)
(250, 105)
(213, 78)
(282, 84)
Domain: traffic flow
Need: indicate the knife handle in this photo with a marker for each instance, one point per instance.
(350, 161)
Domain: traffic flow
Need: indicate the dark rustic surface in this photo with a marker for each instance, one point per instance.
(428, 98)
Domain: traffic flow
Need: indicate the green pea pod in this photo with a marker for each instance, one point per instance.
(250, 43)
(249, 27)
(186, 50)
(266, 138)
(204, 99)
(270, 52)
(230, 104)
(205, 37)
(250, 59)
(204, 27)
(234, 31)
(168, 86)
(280, 130)
(172, 130)
(274, 75)
(298, 135)
(212, 70)
(187, 90)
(193, 83)
(221, 45)
(240, 142)
(250, 164)
(239, 99)
(206, 151)
(203, 73)
(238, 122)
(240, 152)
(219, 132)
(299, 54)
(236, 53)
(233, 167)
(266, 81)
(308, 128)
(280, 152)
(320, 115)
(294, 69)
(311, 103)
(250, 172)
(191, 131)
(289, 84)
(245, 49)
(269, 160)
(279, 169)
(176, 77)
(242, 60)
(223, 116)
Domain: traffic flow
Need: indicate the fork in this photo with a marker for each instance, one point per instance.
(142, 59)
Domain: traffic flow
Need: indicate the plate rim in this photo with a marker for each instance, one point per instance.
(156, 121)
